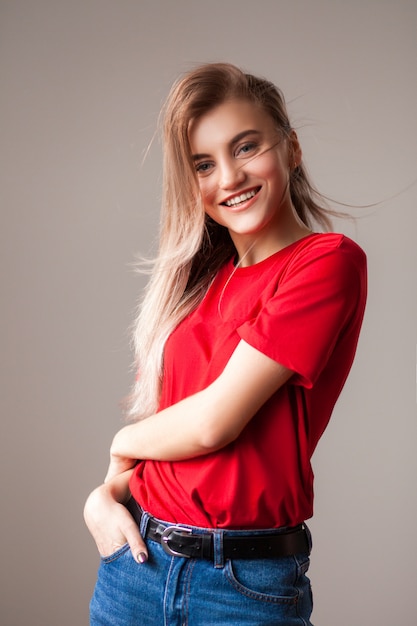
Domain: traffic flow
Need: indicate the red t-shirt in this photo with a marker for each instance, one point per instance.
(303, 307)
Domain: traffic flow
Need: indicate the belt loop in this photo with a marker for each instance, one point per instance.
(143, 526)
(309, 538)
(218, 553)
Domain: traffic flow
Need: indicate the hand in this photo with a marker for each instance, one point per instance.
(111, 524)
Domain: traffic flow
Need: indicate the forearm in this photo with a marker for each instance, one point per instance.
(174, 433)
(210, 419)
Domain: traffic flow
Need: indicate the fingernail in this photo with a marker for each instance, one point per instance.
(142, 557)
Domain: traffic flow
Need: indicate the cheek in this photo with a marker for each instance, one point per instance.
(270, 165)
(275, 170)
(207, 191)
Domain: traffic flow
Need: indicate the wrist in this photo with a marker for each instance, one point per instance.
(101, 494)
(116, 489)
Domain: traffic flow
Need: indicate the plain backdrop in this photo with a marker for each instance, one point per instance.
(81, 85)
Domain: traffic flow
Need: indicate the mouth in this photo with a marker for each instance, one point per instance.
(238, 199)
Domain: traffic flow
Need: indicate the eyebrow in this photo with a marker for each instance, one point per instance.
(238, 137)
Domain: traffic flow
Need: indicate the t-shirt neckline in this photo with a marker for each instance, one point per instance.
(252, 269)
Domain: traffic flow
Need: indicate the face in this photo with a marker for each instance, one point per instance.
(243, 163)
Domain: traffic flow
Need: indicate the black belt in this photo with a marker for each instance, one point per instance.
(179, 540)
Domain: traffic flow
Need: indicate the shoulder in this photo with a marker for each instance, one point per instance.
(333, 248)
(329, 263)
(322, 242)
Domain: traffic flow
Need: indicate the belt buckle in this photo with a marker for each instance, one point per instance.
(165, 537)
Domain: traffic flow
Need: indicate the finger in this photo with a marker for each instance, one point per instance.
(106, 548)
(135, 541)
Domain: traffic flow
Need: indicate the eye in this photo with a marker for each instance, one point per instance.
(203, 168)
(247, 148)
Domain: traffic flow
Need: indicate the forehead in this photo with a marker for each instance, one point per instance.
(223, 123)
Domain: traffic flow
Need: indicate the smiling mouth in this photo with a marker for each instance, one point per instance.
(240, 198)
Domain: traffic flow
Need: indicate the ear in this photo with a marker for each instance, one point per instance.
(295, 153)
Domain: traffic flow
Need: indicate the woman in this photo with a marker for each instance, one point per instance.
(244, 340)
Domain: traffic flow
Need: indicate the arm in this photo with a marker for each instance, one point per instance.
(108, 520)
(323, 294)
(207, 420)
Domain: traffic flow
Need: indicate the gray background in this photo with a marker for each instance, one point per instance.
(82, 82)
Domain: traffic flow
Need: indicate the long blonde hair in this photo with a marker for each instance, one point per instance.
(192, 247)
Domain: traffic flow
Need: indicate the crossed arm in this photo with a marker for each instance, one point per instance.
(197, 425)
(205, 421)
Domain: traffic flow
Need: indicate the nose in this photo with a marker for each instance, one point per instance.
(232, 174)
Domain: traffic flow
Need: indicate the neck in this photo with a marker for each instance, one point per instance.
(254, 249)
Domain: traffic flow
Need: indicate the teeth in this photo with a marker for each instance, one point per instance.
(238, 199)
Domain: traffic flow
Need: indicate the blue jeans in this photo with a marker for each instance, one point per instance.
(177, 591)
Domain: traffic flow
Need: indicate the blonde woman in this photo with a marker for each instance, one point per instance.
(244, 340)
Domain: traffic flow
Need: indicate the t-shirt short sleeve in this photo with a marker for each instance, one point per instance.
(319, 297)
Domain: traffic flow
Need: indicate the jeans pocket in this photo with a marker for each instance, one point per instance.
(268, 580)
(303, 582)
(115, 555)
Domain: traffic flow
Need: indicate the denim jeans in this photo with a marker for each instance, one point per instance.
(177, 591)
